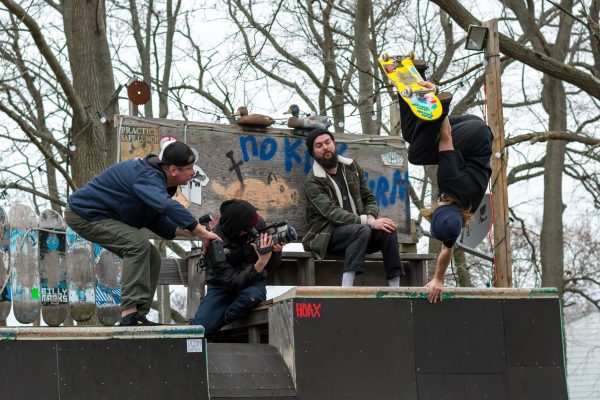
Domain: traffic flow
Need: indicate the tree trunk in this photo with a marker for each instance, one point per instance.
(362, 41)
(551, 240)
(463, 276)
(434, 245)
(89, 58)
(143, 43)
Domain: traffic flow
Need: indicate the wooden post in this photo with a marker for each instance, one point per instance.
(133, 109)
(395, 129)
(499, 160)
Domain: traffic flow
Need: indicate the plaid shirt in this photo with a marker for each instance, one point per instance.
(324, 206)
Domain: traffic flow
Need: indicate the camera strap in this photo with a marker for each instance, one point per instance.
(264, 250)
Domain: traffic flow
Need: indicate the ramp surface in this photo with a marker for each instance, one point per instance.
(387, 343)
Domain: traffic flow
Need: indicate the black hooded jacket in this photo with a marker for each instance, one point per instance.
(238, 272)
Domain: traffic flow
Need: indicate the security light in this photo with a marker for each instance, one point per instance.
(476, 38)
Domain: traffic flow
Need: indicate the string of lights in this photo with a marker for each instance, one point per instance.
(100, 116)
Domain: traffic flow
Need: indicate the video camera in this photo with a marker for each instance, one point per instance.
(280, 231)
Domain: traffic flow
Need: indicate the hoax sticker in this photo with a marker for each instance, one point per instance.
(194, 345)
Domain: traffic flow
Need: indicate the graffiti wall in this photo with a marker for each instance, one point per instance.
(268, 168)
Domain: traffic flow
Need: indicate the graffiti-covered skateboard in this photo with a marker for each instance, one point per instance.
(5, 295)
(422, 101)
(25, 280)
(81, 281)
(107, 269)
(53, 268)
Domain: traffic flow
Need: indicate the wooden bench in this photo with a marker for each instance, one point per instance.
(298, 268)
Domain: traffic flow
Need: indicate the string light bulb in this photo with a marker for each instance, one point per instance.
(373, 115)
(341, 122)
(101, 117)
(41, 172)
(186, 110)
(72, 146)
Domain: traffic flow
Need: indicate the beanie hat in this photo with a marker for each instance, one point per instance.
(313, 135)
(236, 216)
(175, 153)
(446, 224)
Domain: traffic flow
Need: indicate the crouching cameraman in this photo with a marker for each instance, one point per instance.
(236, 267)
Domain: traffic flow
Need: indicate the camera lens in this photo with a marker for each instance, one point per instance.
(291, 233)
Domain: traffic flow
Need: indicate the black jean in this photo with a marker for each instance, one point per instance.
(470, 135)
(355, 240)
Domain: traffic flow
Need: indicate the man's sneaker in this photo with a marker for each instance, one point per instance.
(421, 66)
(146, 321)
(131, 319)
(445, 99)
(136, 319)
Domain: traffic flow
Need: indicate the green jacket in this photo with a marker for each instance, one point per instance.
(324, 207)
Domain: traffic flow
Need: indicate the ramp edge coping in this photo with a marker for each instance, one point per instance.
(416, 293)
(95, 333)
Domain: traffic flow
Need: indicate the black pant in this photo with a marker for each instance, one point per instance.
(356, 240)
(470, 135)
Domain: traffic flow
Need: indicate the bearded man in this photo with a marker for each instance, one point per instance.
(343, 217)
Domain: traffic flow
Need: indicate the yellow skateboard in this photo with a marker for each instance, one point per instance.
(422, 100)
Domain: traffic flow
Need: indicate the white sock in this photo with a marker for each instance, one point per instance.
(394, 282)
(348, 278)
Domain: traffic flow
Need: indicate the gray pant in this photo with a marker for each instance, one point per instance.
(141, 259)
(356, 240)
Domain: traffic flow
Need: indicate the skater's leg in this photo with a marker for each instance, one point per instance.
(423, 136)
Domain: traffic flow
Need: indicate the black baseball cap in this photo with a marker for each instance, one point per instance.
(446, 224)
(178, 154)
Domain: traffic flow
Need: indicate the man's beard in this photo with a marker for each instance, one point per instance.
(328, 163)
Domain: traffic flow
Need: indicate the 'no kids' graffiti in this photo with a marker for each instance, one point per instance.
(386, 188)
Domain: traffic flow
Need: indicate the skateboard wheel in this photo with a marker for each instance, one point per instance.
(385, 57)
(408, 92)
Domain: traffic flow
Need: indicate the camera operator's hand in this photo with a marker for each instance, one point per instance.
(266, 246)
(278, 247)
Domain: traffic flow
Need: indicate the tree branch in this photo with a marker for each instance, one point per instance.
(537, 137)
(534, 59)
(42, 46)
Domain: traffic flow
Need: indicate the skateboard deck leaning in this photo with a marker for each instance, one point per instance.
(5, 295)
(422, 101)
(25, 280)
(81, 281)
(53, 268)
(107, 269)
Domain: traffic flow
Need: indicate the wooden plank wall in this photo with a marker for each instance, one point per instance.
(267, 166)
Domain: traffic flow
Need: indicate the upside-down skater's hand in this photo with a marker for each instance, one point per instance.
(435, 290)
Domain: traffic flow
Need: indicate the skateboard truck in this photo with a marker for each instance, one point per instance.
(420, 93)
(396, 58)
(386, 57)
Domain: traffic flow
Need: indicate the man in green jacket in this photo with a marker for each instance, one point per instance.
(342, 213)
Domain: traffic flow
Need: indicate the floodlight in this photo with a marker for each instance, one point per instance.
(476, 38)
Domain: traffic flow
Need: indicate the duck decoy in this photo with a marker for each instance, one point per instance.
(258, 120)
(307, 121)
